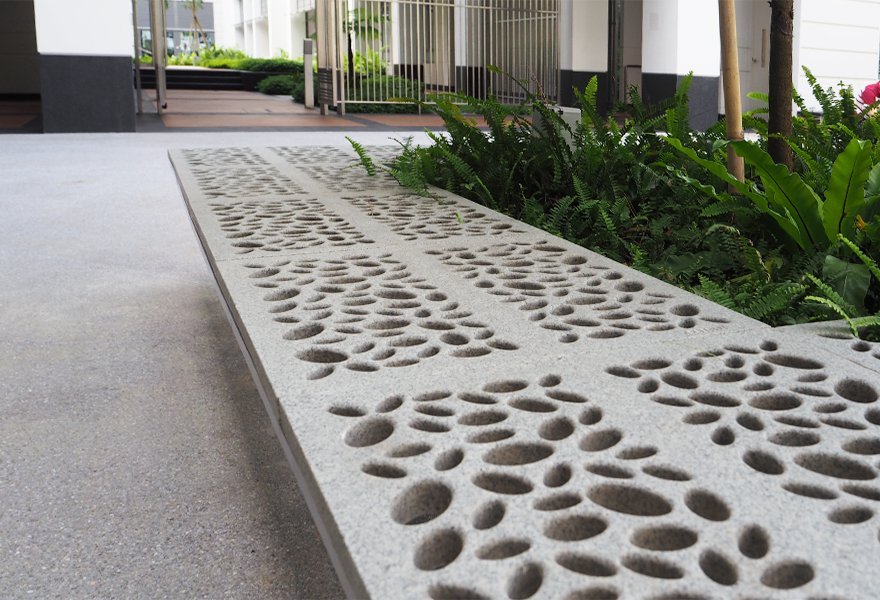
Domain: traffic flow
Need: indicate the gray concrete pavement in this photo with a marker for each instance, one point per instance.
(135, 456)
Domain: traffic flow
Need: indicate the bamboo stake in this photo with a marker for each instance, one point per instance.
(730, 79)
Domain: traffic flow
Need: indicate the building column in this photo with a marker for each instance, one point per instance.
(678, 37)
(583, 49)
(86, 77)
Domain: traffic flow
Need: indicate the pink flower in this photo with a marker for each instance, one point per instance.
(871, 93)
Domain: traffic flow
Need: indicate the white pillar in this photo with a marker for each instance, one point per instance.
(86, 49)
(679, 37)
(583, 48)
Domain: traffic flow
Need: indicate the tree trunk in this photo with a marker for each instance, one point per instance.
(730, 81)
(781, 26)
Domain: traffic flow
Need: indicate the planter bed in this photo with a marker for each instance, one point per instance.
(474, 408)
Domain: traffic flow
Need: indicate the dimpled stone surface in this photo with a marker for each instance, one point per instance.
(483, 410)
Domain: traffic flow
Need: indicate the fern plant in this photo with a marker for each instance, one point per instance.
(847, 298)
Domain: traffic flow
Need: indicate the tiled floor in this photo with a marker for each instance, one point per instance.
(214, 110)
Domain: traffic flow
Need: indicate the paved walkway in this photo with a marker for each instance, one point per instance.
(217, 110)
(210, 110)
(136, 459)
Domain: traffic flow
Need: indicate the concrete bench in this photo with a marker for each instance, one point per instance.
(474, 408)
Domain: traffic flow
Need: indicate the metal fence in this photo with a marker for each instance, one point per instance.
(382, 51)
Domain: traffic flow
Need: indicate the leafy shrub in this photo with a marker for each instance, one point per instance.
(276, 84)
(383, 88)
(271, 65)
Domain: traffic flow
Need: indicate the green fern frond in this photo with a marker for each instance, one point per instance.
(714, 292)
(365, 160)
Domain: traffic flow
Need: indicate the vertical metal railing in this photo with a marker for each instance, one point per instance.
(388, 50)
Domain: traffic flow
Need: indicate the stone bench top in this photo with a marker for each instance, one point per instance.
(477, 409)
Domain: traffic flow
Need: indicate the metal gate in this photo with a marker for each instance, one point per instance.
(384, 51)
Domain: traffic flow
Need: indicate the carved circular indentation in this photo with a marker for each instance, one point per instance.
(597, 441)
(441, 591)
(346, 411)
(863, 445)
(714, 399)
(637, 452)
(749, 421)
(624, 372)
(369, 432)
(610, 470)
(421, 502)
(652, 566)
(665, 472)
(862, 491)
(556, 429)
(665, 538)
(718, 568)
(685, 310)
(594, 593)
(754, 542)
(563, 396)
(590, 416)
(809, 490)
(629, 499)
(491, 435)
(321, 355)
(502, 549)
(304, 332)
(488, 515)
(793, 362)
(775, 401)
(652, 364)
(532, 405)
(723, 436)
(438, 550)
(707, 505)
(856, 390)
(518, 453)
(850, 515)
(701, 417)
(788, 575)
(586, 564)
(763, 462)
(832, 465)
(449, 459)
(557, 475)
(504, 387)
(679, 380)
(557, 502)
(573, 528)
(795, 437)
(727, 376)
(408, 450)
(482, 418)
(502, 483)
(384, 470)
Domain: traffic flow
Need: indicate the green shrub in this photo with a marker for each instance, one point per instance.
(276, 84)
(383, 88)
(271, 65)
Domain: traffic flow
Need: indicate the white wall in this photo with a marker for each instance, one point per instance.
(589, 39)
(680, 36)
(91, 27)
(224, 23)
(838, 41)
(659, 36)
(699, 40)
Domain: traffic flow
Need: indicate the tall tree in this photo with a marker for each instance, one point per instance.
(779, 119)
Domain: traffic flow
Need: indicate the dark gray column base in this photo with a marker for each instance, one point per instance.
(703, 95)
(86, 93)
(579, 79)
